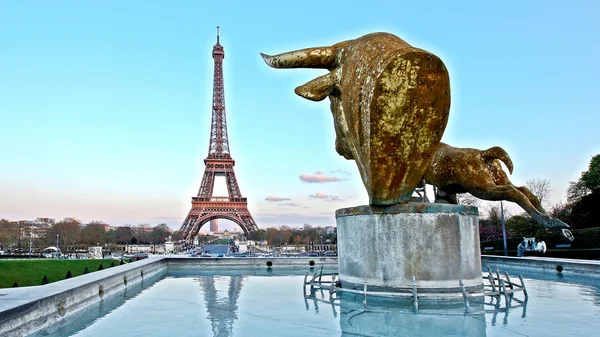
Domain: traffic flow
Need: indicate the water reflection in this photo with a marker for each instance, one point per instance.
(222, 310)
(386, 317)
(496, 306)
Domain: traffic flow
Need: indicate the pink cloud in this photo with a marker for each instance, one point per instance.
(326, 197)
(274, 198)
(319, 177)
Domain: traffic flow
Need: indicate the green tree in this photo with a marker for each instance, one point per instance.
(585, 212)
(584, 197)
(258, 234)
(524, 226)
(589, 181)
(562, 211)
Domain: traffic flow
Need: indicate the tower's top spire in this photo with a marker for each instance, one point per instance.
(219, 142)
(218, 49)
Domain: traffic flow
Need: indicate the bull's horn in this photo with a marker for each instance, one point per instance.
(320, 57)
(317, 89)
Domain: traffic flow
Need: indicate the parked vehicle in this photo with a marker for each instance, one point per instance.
(52, 253)
(139, 256)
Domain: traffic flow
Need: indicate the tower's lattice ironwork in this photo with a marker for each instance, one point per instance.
(205, 207)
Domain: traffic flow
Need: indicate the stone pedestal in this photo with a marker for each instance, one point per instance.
(387, 246)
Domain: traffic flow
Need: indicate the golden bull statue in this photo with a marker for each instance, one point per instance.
(390, 103)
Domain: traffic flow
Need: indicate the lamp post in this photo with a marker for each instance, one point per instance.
(57, 242)
(503, 229)
(321, 244)
(30, 238)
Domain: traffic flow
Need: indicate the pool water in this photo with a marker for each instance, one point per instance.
(222, 302)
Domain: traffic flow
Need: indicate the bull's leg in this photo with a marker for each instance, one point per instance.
(533, 199)
(511, 193)
(553, 223)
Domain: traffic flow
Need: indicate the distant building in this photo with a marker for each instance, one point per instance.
(224, 235)
(49, 221)
(330, 230)
(214, 225)
(33, 228)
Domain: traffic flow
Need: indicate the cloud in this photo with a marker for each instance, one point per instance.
(274, 198)
(289, 204)
(319, 177)
(326, 197)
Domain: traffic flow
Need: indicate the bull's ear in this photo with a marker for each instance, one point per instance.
(320, 57)
(317, 89)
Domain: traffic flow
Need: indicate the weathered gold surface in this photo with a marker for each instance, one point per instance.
(479, 172)
(390, 103)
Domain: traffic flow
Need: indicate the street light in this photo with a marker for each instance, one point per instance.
(503, 229)
(30, 238)
(57, 242)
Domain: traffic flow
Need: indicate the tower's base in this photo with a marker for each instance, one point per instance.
(385, 247)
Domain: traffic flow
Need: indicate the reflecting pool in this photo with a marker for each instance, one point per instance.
(221, 302)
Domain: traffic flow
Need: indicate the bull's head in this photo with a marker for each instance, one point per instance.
(390, 103)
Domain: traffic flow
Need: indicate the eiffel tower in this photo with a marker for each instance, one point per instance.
(205, 207)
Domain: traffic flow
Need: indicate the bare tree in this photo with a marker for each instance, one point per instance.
(541, 189)
(494, 214)
(468, 199)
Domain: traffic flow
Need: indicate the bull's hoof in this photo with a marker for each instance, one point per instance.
(567, 234)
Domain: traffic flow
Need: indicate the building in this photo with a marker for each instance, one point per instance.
(33, 229)
(214, 225)
(49, 221)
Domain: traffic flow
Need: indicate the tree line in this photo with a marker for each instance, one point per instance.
(304, 236)
(72, 233)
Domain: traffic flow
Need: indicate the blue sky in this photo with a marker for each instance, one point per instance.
(105, 106)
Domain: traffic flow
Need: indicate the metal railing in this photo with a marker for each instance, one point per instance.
(496, 288)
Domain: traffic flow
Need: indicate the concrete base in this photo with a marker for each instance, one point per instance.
(386, 246)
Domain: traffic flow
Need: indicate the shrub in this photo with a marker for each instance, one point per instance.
(69, 274)
(86, 270)
(101, 267)
(45, 280)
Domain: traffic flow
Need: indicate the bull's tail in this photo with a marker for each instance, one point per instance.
(497, 152)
